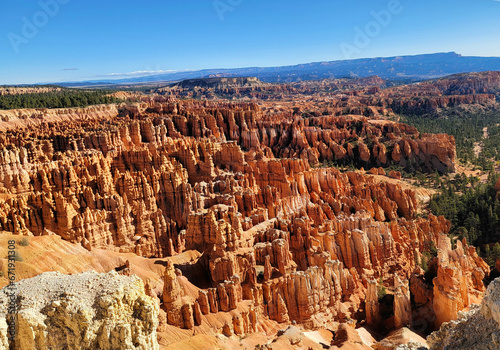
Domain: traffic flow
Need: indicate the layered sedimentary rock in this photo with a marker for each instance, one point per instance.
(279, 238)
(32, 118)
(402, 304)
(238, 87)
(368, 96)
(172, 297)
(82, 311)
(459, 280)
(372, 305)
(477, 328)
(133, 185)
(421, 105)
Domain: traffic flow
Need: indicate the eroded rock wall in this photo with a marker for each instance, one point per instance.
(289, 241)
(476, 328)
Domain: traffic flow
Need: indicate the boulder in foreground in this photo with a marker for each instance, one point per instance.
(477, 329)
(84, 311)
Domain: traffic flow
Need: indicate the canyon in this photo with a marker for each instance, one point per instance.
(236, 221)
(367, 96)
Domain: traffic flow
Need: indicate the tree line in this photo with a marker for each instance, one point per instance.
(466, 125)
(57, 99)
(473, 210)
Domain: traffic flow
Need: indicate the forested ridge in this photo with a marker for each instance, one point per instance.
(467, 128)
(67, 98)
(472, 207)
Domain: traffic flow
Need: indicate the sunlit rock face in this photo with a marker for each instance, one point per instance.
(474, 329)
(282, 240)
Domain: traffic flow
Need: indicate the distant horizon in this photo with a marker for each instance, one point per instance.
(45, 41)
(116, 77)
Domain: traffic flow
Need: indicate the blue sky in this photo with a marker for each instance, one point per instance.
(89, 40)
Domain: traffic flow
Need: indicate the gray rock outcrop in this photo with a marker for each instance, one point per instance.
(84, 311)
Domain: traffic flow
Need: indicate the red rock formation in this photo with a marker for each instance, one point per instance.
(459, 279)
(402, 304)
(172, 297)
(372, 306)
(236, 184)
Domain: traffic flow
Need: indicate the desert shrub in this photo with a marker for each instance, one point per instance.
(382, 292)
(23, 242)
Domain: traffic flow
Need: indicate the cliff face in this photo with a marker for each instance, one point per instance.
(475, 329)
(364, 96)
(279, 238)
(216, 87)
(469, 83)
(83, 311)
(458, 282)
(452, 91)
(431, 103)
(33, 118)
(422, 97)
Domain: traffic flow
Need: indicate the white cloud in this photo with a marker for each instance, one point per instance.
(140, 73)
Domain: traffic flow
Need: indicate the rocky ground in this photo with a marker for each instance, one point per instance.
(478, 328)
(82, 311)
